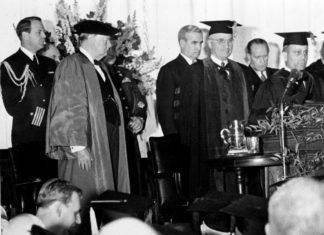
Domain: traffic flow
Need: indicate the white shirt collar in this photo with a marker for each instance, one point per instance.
(27, 52)
(259, 73)
(84, 52)
(189, 61)
(218, 61)
(288, 69)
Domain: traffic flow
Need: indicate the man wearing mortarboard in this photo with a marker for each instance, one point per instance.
(276, 89)
(84, 131)
(225, 93)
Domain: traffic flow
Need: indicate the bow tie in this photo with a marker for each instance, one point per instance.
(97, 62)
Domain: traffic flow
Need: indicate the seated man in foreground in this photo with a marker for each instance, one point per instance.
(59, 207)
(296, 208)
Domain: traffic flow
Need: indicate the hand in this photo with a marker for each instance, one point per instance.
(84, 159)
(136, 124)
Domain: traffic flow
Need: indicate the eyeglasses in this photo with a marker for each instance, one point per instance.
(222, 41)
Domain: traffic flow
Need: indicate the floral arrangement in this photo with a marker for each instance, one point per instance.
(68, 16)
(131, 60)
(133, 63)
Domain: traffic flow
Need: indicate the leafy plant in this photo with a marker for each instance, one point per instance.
(305, 123)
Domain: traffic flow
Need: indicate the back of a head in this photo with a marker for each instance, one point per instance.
(56, 190)
(296, 208)
(126, 226)
(21, 224)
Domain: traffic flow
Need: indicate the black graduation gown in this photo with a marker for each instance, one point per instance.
(317, 71)
(271, 91)
(223, 100)
(178, 108)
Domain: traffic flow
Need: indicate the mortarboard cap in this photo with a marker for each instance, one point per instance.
(221, 26)
(297, 38)
(252, 213)
(95, 27)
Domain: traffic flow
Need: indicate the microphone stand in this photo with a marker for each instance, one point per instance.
(282, 137)
(293, 74)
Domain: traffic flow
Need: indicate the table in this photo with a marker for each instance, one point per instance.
(238, 162)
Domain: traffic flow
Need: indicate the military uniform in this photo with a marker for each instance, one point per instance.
(26, 87)
(134, 105)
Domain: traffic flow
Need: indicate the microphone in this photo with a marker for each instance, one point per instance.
(293, 77)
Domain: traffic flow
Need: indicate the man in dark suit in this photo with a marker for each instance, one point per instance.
(26, 81)
(178, 101)
(257, 72)
(317, 70)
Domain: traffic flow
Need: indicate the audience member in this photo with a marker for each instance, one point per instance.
(85, 132)
(177, 94)
(257, 72)
(125, 226)
(317, 70)
(59, 205)
(296, 208)
(26, 82)
(271, 92)
(50, 51)
(21, 225)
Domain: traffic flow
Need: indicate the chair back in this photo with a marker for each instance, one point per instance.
(166, 165)
(165, 154)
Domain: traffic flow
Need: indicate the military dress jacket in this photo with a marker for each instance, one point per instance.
(26, 89)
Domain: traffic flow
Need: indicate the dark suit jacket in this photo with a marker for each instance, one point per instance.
(133, 101)
(28, 106)
(271, 91)
(254, 79)
(178, 96)
(317, 70)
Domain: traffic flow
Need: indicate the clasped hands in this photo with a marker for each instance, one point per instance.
(135, 124)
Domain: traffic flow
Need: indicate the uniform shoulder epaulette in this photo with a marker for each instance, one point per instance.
(21, 81)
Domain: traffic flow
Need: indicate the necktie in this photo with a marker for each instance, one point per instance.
(263, 77)
(35, 60)
(224, 71)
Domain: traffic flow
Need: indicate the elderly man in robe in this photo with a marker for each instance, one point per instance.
(85, 132)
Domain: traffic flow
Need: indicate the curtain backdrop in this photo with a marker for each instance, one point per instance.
(159, 21)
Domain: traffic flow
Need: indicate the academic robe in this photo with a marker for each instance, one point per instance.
(178, 105)
(271, 91)
(223, 100)
(77, 118)
(316, 69)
